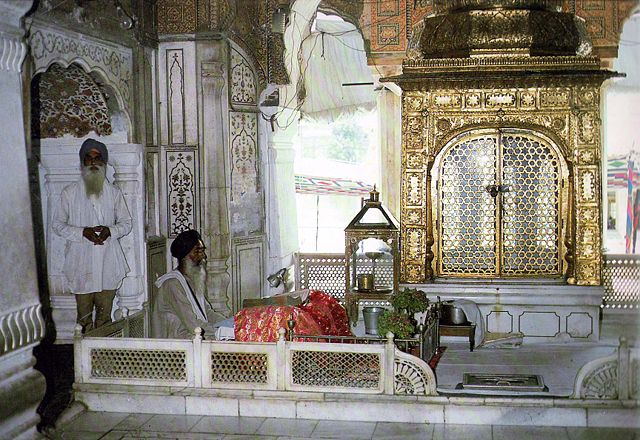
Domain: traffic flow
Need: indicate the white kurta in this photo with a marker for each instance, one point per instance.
(88, 267)
(177, 310)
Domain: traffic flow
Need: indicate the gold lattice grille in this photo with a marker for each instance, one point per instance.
(334, 369)
(531, 172)
(239, 367)
(138, 364)
(468, 213)
(499, 206)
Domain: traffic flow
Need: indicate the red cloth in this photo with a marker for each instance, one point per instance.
(328, 313)
(322, 315)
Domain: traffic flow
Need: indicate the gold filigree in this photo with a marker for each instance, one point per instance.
(587, 157)
(414, 193)
(528, 99)
(414, 216)
(415, 160)
(447, 100)
(587, 127)
(554, 98)
(413, 103)
(587, 186)
(500, 99)
(473, 100)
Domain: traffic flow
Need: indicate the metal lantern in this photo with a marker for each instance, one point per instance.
(372, 259)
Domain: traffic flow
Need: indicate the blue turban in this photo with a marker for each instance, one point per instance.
(91, 144)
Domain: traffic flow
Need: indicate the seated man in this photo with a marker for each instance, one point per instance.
(181, 303)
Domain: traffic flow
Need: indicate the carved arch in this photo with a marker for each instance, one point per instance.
(112, 63)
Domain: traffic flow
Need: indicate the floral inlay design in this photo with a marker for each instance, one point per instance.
(70, 102)
(181, 181)
(244, 171)
(243, 81)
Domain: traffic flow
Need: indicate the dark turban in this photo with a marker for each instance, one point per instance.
(91, 144)
(184, 242)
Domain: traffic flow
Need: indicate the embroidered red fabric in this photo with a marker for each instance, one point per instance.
(321, 315)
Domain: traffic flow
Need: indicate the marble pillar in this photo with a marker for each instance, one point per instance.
(21, 323)
(214, 186)
(389, 109)
(281, 194)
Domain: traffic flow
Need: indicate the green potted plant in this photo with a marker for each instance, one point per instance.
(396, 323)
(410, 300)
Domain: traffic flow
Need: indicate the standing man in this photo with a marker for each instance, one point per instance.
(92, 217)
(181, 303)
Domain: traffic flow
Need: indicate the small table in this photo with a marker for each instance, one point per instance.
(460, 330)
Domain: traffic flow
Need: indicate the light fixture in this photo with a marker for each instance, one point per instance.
(127, 21)
(277, 278)
(279, 20)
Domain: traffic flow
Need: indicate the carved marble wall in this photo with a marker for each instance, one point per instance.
(210, 161)
(247, 22)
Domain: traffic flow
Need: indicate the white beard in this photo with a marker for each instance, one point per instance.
(93, 179)
(197, 274)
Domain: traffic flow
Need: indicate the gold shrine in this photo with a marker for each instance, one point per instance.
(501, 150)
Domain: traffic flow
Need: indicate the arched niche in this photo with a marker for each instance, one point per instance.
(110, 64)
(68, 101)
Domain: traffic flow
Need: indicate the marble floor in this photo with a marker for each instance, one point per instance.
(116, 426)
(557, 363)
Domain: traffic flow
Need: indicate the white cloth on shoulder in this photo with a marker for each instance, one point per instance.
(175, 274)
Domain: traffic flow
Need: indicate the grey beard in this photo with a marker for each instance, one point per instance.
(197, 274)
(93, 179)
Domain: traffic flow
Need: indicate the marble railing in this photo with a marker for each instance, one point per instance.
(614, 377)
(620, 275)
(279, 366)
(134, 325)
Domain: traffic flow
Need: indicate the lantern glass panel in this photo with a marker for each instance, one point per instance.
(372, 266)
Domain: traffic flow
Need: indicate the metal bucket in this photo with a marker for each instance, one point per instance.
(371, 315)
(452, 315)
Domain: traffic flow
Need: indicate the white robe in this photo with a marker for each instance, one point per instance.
(175, 313)
(88, 267)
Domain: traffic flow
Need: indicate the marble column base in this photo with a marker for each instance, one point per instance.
(21, 390)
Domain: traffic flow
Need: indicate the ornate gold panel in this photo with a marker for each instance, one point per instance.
(566, 116)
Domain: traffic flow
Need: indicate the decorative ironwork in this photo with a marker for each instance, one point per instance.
(181, 191)
(138, 364)
(467, 235)
(229, 367)
(336, 369)
(498, 206)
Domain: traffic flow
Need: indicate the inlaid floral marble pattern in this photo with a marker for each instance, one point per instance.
(68, 101)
